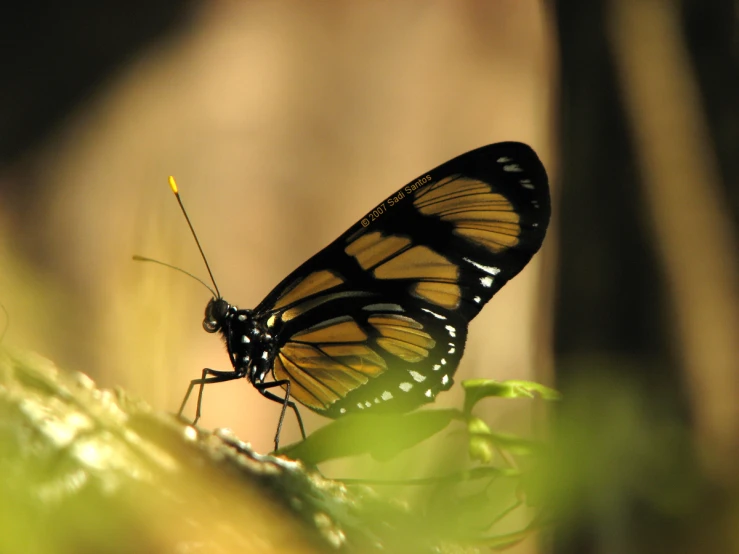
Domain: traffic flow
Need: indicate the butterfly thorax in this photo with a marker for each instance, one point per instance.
(251, 346)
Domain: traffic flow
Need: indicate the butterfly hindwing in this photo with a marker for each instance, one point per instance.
(369, 354)
(370, 315)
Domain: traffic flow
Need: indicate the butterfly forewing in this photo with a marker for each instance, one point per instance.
(377, 320)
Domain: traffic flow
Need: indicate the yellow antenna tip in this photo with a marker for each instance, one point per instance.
(173, 184)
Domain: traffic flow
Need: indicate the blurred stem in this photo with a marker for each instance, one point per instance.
(687, 208)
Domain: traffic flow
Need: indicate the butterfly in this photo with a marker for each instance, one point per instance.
(377, 321)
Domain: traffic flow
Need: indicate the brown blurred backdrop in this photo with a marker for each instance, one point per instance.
(284, 121)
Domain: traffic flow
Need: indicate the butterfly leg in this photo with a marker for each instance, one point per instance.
(262, 388)
(215, 377)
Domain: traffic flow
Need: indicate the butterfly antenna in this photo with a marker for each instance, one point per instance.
(173, 186)
(198, 279)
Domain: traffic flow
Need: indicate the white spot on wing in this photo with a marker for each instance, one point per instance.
(486, 268)
(503, 160)
(477, 299)
(445, 379)
(342, 411)
(368, 404)
(383, 308)
(405, 387)
(360, 406)
(377, 400)
(437, 367)
(387, 395)
(512, 168)
(452, 331)
(245, 339)
(443, 361)
(417, 376)
(486, 282)
(265, 355)
(428, 393)
(526, 183)
(242, 317)
(437, 316)
(452, 350)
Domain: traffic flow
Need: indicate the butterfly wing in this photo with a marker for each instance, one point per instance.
(371, 355)
(378, 319)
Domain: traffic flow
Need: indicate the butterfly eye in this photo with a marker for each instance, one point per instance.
(210, 326)
(215, 312)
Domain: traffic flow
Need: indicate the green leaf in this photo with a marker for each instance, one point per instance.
(501, 542)
(480, 448)
(382, 436)
(476, 425)
(514, 444)
(477, 389)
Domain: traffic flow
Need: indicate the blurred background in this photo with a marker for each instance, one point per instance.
(285, 121)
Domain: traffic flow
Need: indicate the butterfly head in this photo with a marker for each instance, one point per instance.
(215, 314)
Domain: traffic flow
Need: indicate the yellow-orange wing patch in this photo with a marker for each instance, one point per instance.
(327, 361)
(402, 336)
(485, 217)
(393, 257)
(316, 282)
(374, 248)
